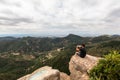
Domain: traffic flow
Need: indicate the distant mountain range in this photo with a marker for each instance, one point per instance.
(37, 44)
(7, 38)
(20, 56)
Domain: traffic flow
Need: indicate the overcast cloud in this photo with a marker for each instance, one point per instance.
(59, 17)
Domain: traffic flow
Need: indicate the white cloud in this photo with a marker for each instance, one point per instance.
(59, 16)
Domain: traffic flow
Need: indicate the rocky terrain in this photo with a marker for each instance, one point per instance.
(46, 73)
(22, 56)
(79, 68)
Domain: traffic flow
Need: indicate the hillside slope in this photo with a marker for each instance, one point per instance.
(21, 56)
(78, 70)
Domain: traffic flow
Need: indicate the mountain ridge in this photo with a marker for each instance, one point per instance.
(33, 53)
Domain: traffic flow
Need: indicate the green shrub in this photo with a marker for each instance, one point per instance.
(107, 68)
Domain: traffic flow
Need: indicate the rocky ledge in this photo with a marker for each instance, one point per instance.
(79, 68)
(46, 73)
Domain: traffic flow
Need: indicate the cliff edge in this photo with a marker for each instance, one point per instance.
(46, 73)
(79, 68)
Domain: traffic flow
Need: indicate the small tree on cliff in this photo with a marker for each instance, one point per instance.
(107, 68)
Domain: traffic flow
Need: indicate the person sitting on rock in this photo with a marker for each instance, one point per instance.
(81, 51)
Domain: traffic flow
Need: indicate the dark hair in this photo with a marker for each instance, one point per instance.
(78, 46)
(83, 45)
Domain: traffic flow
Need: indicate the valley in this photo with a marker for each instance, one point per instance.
(20, 56)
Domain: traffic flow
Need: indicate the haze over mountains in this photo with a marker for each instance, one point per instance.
(35, 33)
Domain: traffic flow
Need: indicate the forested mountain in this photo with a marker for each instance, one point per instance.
(33, 44)
(20, 56)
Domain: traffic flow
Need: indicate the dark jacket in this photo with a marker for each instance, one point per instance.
(82, 52)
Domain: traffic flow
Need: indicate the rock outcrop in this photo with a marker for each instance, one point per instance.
(79, 68)
(46, 73)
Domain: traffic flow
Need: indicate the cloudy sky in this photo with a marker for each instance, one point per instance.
(59, 17)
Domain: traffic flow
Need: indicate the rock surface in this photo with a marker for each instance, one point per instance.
(79, 67)
(46, 73)
(64, 76)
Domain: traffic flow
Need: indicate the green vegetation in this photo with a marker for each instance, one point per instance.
(36, 45)
(103, 48)
(34, 53)
(13, 67)
(107, 68)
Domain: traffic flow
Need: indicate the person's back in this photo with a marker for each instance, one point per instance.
(82, 52)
